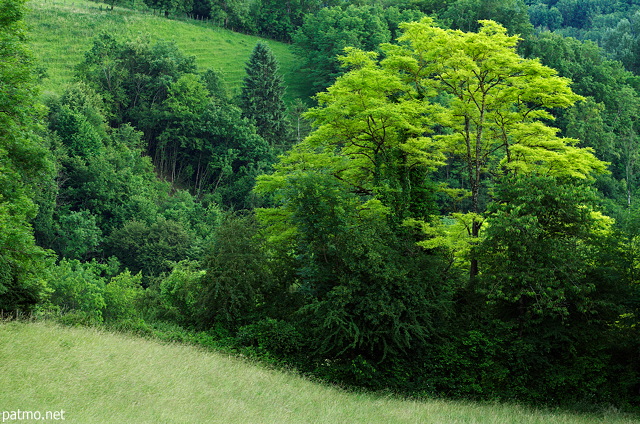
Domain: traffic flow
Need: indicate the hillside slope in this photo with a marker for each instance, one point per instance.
(97, 377)
(62, 31)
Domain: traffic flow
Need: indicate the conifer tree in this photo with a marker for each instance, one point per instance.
(261, 99)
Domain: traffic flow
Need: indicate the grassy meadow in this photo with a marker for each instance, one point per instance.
(63, 30)
(99, 377)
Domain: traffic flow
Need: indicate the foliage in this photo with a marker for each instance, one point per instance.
(149, 248)
(207, 144)
(368, 290)
(540, 283)
(180, 293)
(24, 165)
(78, 287)
(273, 336)
(324, 35)
(236, 276)
(121, 295)
(261, 98)
(132, 76)
(467, 14)
(606, 120)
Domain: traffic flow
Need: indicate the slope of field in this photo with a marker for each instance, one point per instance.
(98, 377)
(63, 30)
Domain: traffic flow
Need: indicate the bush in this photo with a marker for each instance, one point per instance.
(271, 335)
(180, 293)
(77, 287)
(121, 296)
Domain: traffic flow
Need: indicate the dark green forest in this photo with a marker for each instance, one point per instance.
(455, 213)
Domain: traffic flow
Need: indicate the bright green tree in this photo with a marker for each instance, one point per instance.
(497, 105)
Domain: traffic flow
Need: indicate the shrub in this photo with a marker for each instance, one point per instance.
(271, 335)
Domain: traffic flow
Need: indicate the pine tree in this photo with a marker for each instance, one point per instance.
(261, 99)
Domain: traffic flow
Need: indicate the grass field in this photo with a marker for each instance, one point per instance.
(63, 30)
(98, 377)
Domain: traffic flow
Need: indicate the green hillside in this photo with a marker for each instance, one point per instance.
(97, 377)
(63, 30)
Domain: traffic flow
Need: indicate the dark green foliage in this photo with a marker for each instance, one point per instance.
(261, 99)
(116, 185)
(273, 336)
(324, 35)
(149, 249)
(133, 76)
(606, 121)
(539, 279)
(369, 289)
(236, 274)
(512, 14)
(207, 144)
(278, 19)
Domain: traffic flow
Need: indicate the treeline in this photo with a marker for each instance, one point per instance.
(613, 25)
(460, 221)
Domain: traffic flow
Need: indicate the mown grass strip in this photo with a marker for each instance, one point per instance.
(63, 30)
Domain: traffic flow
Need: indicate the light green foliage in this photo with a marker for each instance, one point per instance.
(77, 288)
(497, 103)
(491, 104)
(497, 106)
(24, 164)
(121, 295)
(180, 292)
(91, 292)
(360, 118)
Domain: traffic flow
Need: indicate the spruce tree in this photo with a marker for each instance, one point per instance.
(261, 99)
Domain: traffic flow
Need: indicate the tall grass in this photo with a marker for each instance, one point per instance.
(97, 377)
(63, 30)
